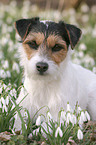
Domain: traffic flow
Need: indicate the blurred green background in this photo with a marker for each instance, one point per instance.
(81, 13)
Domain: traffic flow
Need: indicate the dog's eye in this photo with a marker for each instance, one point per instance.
(33, 44)
(57, 47)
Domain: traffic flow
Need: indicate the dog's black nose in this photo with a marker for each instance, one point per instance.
(42, 67)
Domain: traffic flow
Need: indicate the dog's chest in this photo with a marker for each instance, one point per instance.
(41, 94)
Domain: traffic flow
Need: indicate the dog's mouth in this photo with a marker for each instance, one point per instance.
(42, 73)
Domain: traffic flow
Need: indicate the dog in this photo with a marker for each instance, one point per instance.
(51, 79)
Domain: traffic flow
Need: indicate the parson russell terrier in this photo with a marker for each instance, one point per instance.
(51, 78)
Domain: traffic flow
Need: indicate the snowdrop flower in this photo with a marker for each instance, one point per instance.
(87, 115)
(79, 109)
(74, 119)
(3, 101)
(72, 11)
(85, 18)
(30, 136)
(2, 74)
(8, 74)
(83, 116)
(4, 41)
(81, 54)
(63, 115)
(35, 132)
(5, 108)
(4, 104)
(68, 118)
(58, 131)
(5, 64)
(38, 121)
(84, 8)
(80, 122)
(69, 107)
(49, 116)
(80, 134)
(89, 60)
(82, 46)
(13, 93)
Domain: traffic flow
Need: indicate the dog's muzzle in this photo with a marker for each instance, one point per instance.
(41, 67)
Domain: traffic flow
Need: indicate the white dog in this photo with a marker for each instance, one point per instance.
(51, 78)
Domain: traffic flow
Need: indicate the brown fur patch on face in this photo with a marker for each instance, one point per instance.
(33, 36)
(38, 38)
(57, 56)
(29, 51)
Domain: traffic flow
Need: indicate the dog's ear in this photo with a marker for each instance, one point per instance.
(23, 26)
(73, 34)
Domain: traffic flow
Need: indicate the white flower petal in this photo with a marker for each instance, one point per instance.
(62, 117)
(58, 131)
(3, 101)
(87, 115)
(83, 116)
(80, 134)
(68, 118)
(38, 121)
(69, 107)
(49, 116)
(74, 119)
(79, 109)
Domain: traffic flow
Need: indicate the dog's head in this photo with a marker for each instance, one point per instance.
(45, 45)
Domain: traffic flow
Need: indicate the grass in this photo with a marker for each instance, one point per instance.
(51, 132)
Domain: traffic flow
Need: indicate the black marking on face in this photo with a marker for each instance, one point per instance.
(69, 33)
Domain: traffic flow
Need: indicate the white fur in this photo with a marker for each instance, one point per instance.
(67, 82)
(45, 22)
